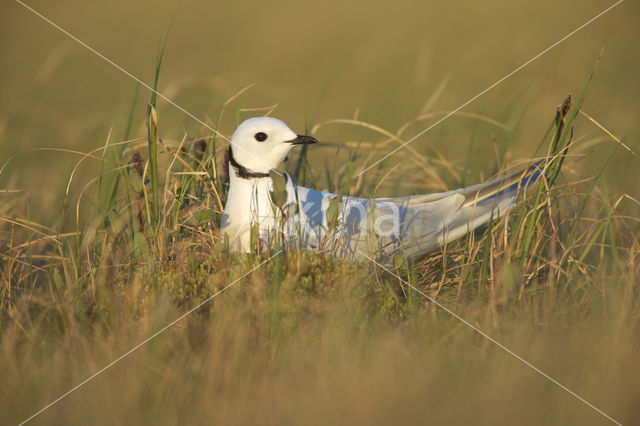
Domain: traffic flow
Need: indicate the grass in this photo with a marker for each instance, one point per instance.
(306, 339)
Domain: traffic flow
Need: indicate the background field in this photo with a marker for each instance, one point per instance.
(309, 339)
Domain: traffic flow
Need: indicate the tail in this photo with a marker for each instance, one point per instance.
(445, 217)
(510, 186)
(490, 200)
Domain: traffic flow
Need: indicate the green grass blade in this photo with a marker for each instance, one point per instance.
(152, 121)
(120, 149)
(160, 55)
(152, 138)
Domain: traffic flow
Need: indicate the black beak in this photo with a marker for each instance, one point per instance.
(303, 140)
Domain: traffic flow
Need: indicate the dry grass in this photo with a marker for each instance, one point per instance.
(309, 339)
(88, 268)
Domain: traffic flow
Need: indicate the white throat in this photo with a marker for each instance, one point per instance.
(248, 204)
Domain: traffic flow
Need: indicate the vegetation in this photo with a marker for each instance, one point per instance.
(126, 246)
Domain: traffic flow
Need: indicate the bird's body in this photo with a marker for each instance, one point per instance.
(310, 219)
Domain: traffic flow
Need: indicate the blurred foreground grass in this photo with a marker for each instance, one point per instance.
(88, 271)
(332, 346)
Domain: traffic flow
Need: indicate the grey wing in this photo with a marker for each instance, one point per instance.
(408, 226)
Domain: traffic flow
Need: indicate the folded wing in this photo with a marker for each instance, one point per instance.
(410, 226)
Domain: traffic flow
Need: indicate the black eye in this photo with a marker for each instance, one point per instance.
(260, 136)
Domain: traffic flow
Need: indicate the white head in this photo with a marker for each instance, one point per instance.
(262, 143)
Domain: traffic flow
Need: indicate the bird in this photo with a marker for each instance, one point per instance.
(341, 225)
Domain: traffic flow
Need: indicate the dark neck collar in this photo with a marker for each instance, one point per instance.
(241, 171)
